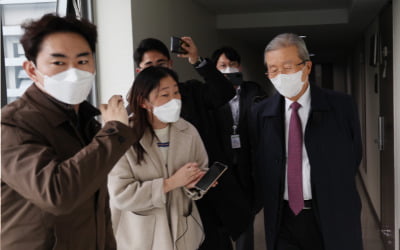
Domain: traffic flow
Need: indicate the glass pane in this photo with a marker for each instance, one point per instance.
(14, 13)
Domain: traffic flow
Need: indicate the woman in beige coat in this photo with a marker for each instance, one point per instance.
(151, 186)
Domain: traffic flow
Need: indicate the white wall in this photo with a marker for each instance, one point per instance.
(114, 47)
(396, 115)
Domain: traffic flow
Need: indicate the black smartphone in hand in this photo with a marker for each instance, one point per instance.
(176, 45)
(213, 173)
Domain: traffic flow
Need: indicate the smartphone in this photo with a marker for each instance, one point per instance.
(176, 45)
(213, 173)
(235, 78)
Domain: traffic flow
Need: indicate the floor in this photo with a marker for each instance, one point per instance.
(370, 229)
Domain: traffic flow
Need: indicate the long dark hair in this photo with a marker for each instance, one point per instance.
(147, 80)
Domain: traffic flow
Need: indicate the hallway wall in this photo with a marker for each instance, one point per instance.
(371, 174)
(114, 72)
(137, 19)
(363, 82)
(396, 108)
(162, 19)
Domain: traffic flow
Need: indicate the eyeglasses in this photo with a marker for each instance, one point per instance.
(286, 69)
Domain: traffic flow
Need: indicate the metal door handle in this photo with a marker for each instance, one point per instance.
(381, 131)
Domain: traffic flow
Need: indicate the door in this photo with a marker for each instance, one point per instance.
(386, 133)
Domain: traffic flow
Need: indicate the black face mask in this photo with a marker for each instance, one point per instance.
(235, 78)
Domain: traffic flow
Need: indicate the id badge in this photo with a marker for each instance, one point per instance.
(235, 140)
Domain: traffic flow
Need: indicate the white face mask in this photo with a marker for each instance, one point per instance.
(71, 86)
(288, 85)
(168, 112)
(228, 70)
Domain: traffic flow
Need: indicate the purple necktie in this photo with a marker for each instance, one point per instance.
(294, 171)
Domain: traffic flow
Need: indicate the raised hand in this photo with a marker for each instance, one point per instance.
(190, 47)
(114, 110)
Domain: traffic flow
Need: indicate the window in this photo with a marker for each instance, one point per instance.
(13, 14)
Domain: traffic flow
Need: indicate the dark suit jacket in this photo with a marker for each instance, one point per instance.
(224, 206)
(239, 159)
(333, 142)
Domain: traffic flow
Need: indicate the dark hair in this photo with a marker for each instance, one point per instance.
(149, 44)
(229, 52)
(147, 80)
(36, 31)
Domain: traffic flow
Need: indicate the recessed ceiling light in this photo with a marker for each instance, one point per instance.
(303, 37)
(311, 54)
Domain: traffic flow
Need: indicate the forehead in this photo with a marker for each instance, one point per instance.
(153, 55)
(168, 82)
(64, 42)
(223, 59)
(283, 55)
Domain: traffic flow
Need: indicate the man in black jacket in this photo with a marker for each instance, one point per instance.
(224, 210)
(233, 134)
(307, 152)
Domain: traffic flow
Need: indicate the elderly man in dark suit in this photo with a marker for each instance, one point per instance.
(307, 152)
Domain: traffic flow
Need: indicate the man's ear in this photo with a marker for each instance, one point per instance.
(138, 70)
(309, 66)
(307, 70)
(170, 63)
(30, 70)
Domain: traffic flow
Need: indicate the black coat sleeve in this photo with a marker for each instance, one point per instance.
(218, 90)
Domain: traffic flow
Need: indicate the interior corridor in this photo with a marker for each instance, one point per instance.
(370, 228)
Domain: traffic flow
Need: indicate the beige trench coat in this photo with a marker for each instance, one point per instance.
(144, 218)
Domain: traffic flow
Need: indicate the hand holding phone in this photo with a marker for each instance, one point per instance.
(185, 48)
(176, 45)
(212, 175)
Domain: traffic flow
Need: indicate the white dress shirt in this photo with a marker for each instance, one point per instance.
(234, 104)
(303, 111)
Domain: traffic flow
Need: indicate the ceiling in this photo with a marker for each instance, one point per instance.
(331, 27)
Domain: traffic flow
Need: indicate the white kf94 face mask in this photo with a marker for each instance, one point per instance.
(288, 85)
(168, 112)
(228, 70)
(71, 86)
